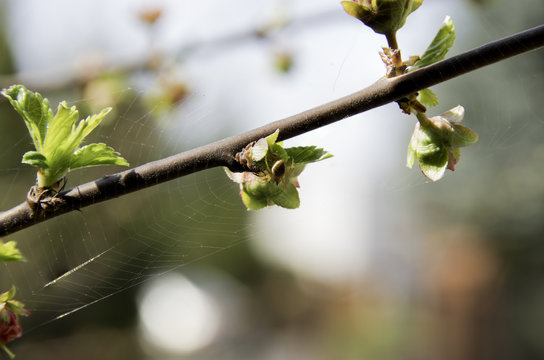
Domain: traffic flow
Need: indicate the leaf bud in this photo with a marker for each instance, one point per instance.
(383, 16)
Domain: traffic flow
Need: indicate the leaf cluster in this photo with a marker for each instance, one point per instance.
(436, 142)
(275, 170)
(57, 137)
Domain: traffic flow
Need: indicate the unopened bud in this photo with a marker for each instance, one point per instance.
(383, 16)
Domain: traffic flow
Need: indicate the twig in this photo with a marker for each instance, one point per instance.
(60, 80)
(221, 153)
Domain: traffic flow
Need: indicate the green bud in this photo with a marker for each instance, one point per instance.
(383, 16)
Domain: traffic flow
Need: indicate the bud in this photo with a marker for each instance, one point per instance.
(150, 16)
(436, 142)
(9, 321)
(9, 326)
(383, 16)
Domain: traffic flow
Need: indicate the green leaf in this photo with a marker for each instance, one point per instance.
(34, 109)
(427, 97)
(9, 252)
(84, 128)
(257, 195)
(432, 155)
(307, 154)
(8, 295)
(434, 171)
(96, 154)
(358, 11)
(35, 158)
(439, 47)
(297, 170)
(462, 136)
(17, 307)
(276, 152)
(253, 202)
(59, 130)
(458, 135)
(271, 139)
(412, 146)
(288, 197)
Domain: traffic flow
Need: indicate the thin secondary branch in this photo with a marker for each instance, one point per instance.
(221, 153)
(62, 79)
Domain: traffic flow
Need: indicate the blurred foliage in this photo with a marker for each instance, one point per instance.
(6, 61)
(505, 195)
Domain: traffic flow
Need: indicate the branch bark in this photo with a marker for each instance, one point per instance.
(221, 153)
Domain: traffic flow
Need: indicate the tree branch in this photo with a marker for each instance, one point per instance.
(221, 153)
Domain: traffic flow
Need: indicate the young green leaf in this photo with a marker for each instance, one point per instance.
(96, 154)
(276, 152)
(427, 97)
(59, 129)
(412, 147)
(9, 252)
(432, 155)
(253, 202)
(8, 295)
(288, 197)
(462, 136)
(307, 154)
(439, 47)
(33, 109)
(258, 194)
(272, 138)
(36, 159)
(85, 127)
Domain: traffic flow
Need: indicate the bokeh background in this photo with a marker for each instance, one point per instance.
(378, 262)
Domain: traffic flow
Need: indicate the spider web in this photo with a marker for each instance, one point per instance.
(91, 254)
(104, 251)
(87, 256)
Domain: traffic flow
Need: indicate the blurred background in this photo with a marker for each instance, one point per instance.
(377, 263)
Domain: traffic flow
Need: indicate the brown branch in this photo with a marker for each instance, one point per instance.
(221, 153)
